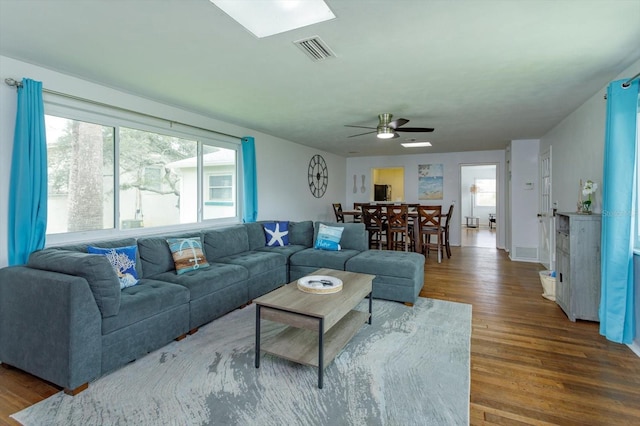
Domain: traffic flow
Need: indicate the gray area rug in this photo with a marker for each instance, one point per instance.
(410, 367)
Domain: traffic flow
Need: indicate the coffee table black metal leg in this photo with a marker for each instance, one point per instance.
(370, 305)
(320, 351)
(257, 336)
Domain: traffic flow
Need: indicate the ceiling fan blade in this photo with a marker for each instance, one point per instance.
(360, 134)
(398, 122)
(360, 127)
(415, 129)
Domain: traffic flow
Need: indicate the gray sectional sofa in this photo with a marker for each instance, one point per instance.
(64, 318)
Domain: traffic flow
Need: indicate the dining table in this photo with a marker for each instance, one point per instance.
(413, 216)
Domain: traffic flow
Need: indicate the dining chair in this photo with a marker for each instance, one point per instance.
(337, 210)
(398, 235)
(429, 224)
(445, 231)
(357, 206)
(372, 218)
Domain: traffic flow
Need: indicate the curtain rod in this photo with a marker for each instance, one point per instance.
(628, 82)
(17, 84)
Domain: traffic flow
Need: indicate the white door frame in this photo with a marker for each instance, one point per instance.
(499, 219)
(546, 219)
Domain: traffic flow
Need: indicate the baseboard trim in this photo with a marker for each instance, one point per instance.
(519, 259)
(635, 347)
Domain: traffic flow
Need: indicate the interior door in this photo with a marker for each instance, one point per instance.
(546, 228)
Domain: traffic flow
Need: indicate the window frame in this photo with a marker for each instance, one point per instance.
(218, 201)
(75, 109)
(478, 191)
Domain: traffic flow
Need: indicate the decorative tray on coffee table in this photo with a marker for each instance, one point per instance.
(320, 284)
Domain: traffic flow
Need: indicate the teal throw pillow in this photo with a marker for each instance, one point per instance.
(276, 233)
(329, 237)
(187, 254)
(123, 260)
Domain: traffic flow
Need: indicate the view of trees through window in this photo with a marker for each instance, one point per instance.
(157, 177)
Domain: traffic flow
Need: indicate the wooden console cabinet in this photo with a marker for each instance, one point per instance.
(578, 265)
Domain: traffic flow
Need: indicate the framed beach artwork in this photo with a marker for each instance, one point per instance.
(430, 182)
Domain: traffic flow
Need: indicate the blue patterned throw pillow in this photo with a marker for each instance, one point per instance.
(123, 260)
(329, 237)
(276, 233)
(187, 254)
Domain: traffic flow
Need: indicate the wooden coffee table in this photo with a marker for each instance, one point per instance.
(319, 324)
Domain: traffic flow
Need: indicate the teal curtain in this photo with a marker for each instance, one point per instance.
(617, 316)
(250, 180)
(28, 181)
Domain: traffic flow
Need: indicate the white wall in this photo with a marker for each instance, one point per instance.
(281, 165)
(578, 148)
(451, 170)
(524, 199)
(578, 153)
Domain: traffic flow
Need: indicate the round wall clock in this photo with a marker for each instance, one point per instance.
(318, 176)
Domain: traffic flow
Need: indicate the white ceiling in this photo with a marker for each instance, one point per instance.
(481, 72)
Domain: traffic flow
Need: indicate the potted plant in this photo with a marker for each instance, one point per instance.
(588, 188)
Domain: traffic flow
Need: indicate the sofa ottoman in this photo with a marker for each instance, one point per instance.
(399, 275)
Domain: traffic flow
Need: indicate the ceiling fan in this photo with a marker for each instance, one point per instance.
(388, 129)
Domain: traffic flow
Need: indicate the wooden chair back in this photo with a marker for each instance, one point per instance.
(337, 210)
(398, 227)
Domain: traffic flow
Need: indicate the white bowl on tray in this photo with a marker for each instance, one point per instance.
(320, 284)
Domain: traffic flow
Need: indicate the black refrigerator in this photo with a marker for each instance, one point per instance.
(382, 193)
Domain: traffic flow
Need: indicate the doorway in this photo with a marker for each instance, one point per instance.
(478, 205)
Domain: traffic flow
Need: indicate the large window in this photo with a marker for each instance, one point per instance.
(164, 177)
(485, 195)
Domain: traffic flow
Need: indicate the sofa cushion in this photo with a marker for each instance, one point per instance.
(120, 242)
(301, 233)
(225, 242)
(256, 262)
(286, 251)
(123, 260)
(155, 255)
(276, 234)
(94, 268)
(143, 301)
(388, 263)
(255, 234)
(322, 258)
(187, 254)
(354, 236)
(205, 281)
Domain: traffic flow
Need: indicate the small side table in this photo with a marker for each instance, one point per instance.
(472, 222)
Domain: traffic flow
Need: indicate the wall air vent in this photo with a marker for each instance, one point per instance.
(315, 48)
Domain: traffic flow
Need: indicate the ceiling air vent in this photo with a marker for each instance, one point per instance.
(315, 48)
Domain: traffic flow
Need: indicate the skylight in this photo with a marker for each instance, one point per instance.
(268, 17)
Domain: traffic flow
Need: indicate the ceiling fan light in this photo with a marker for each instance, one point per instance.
(385, 132)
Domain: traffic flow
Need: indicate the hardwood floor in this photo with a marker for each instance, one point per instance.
(529, 363)
(478, 237)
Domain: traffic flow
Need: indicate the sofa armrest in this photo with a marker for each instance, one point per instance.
(94, 268)
(50, 326)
